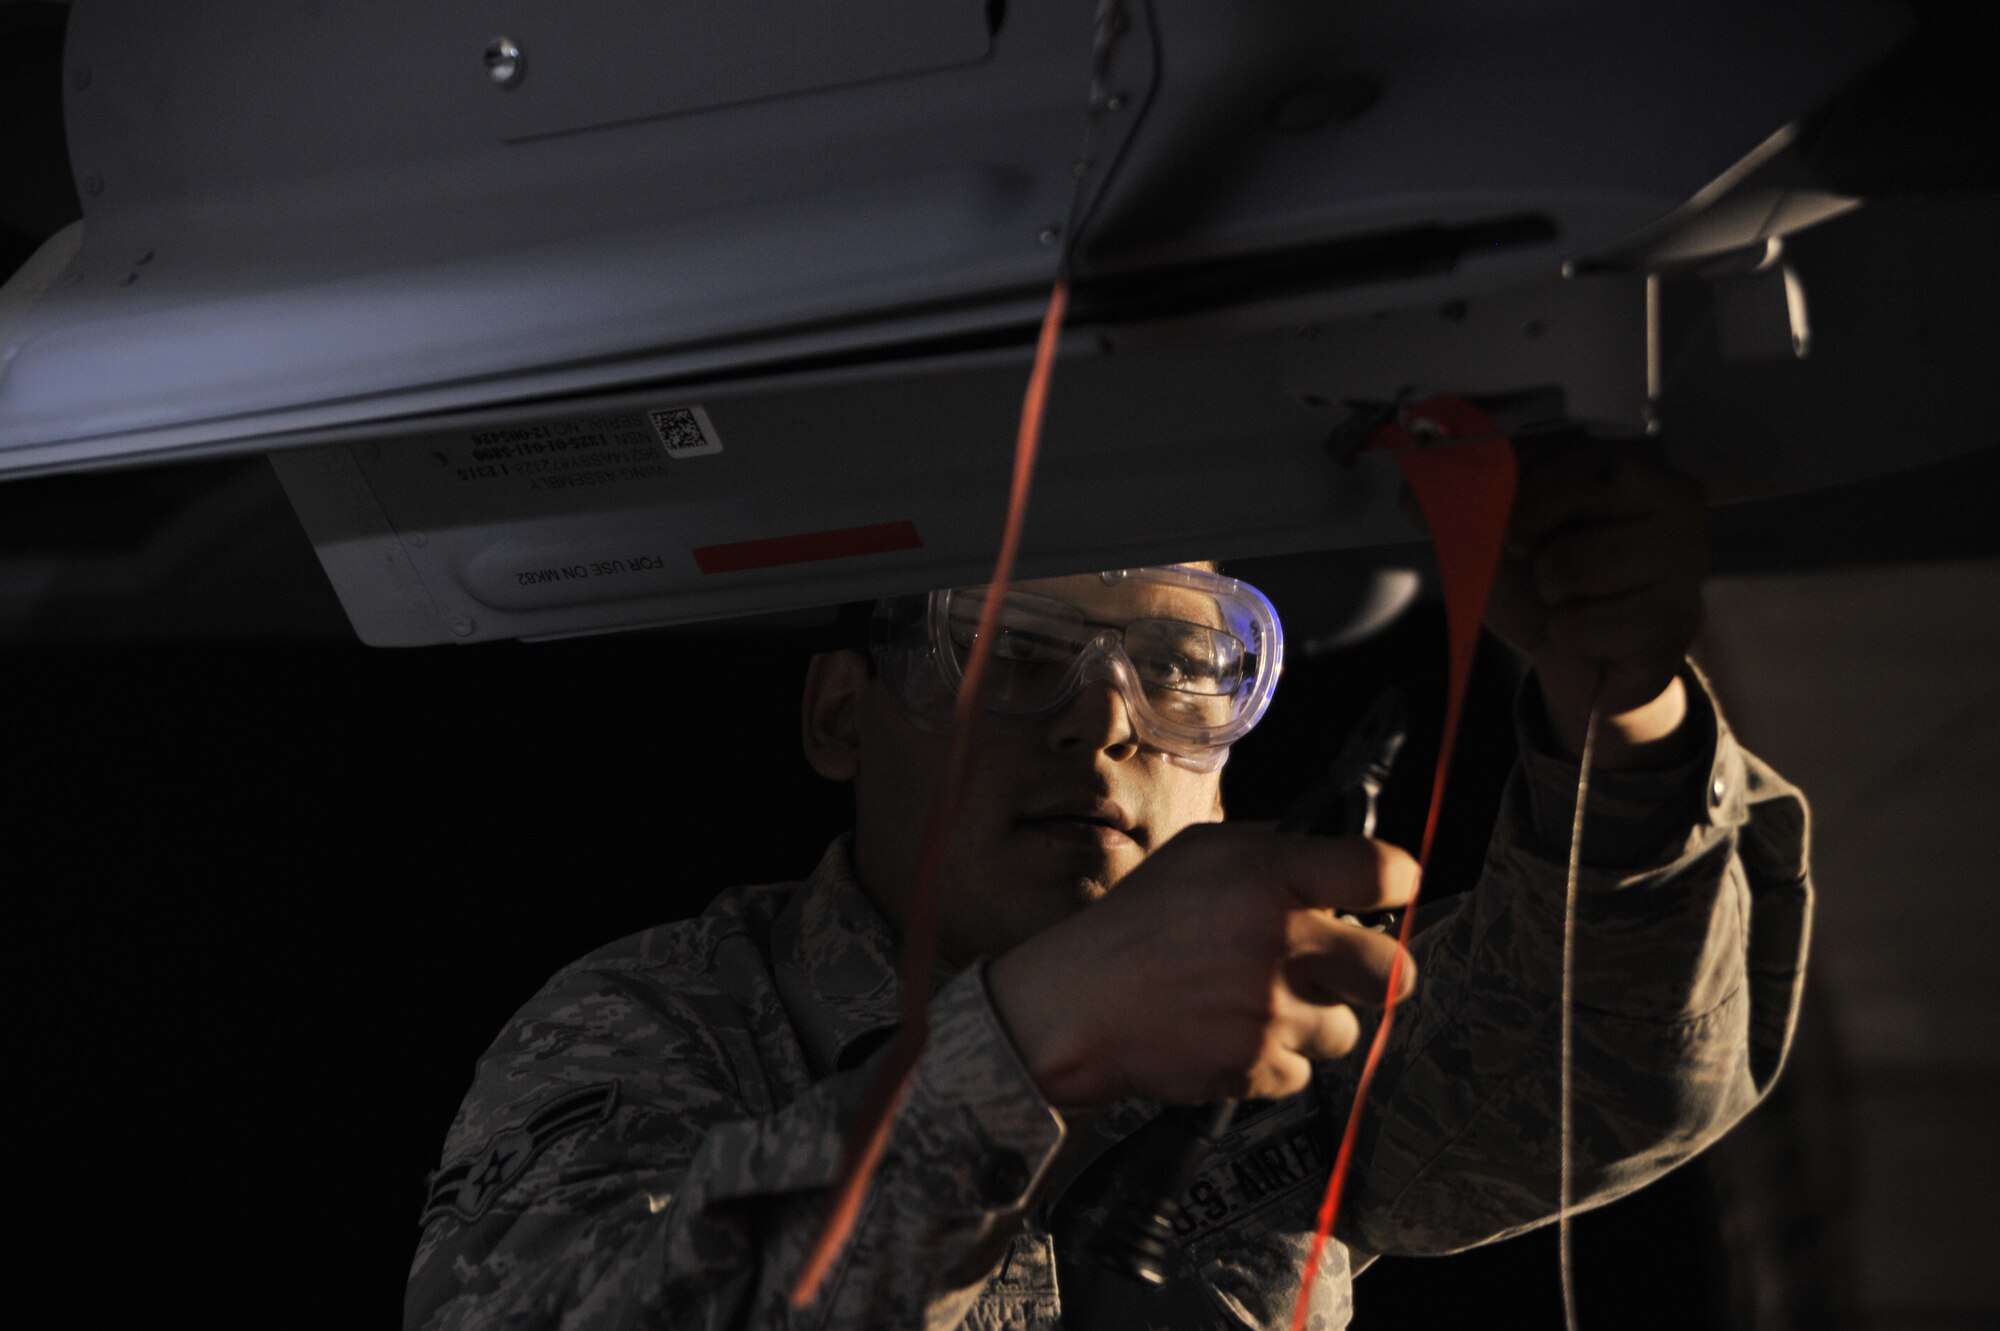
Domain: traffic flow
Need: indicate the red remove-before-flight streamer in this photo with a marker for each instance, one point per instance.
(1466, 492)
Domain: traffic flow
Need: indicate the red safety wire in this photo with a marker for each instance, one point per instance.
(1466, 492)
(869, 1132)
(1463, 476)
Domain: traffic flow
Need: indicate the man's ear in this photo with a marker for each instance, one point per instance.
(830, 713)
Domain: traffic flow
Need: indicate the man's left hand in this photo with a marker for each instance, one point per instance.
(1602, 575)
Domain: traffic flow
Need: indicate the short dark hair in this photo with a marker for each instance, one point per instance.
(850, 631)
(852, 626)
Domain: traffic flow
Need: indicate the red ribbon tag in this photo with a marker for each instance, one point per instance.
(1466, 492)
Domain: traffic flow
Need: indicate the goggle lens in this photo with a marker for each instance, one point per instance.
(1192, 672)
(1194, 654)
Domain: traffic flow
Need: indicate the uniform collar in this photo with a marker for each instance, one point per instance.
(834, 959)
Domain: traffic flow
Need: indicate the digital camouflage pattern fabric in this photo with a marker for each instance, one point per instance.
(649, 1141)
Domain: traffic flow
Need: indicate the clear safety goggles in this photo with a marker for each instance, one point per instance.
(1195, 655)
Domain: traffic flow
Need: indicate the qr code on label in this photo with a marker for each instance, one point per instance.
(684, 431)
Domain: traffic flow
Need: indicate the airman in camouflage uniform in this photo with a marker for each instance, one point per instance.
(652, 1139)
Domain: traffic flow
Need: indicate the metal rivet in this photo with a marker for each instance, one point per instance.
(1115, 102)
(79, 78)
(1048, 235)
(1425, 430)
(1717, 789)
(504, 62)
(1298, 110)
(462, 625)
(93, 184)
(417, 538)
(1352, 94)
(1308, 106)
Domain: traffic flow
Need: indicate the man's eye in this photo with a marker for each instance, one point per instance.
(1016, 645)
(1174, 672)
(1010, 646)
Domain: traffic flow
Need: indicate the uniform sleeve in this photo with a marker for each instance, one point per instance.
(1692, 919)
(619, 1163)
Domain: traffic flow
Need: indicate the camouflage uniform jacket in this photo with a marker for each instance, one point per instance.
(650, 1141)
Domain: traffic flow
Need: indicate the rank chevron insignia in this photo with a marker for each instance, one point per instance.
(468, 1188)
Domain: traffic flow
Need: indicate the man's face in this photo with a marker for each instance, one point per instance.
(1057, 808)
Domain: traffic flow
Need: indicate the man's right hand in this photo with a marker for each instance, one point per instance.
(1215, 970)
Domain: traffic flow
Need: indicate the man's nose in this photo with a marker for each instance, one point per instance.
(1096, 717)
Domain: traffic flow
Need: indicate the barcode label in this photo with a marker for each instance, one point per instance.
(685, 432)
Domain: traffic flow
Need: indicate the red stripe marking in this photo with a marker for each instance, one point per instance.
(843, 543)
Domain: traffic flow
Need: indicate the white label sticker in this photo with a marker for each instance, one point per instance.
(547, 455)
(685, 432)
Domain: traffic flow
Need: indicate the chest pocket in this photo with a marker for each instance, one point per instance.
(1269, 1170)
(1021, 1296)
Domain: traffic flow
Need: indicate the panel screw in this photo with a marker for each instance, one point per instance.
(1048, 235)
(462, 625)
(418, 539)
(1115, 102)
(504, 62)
